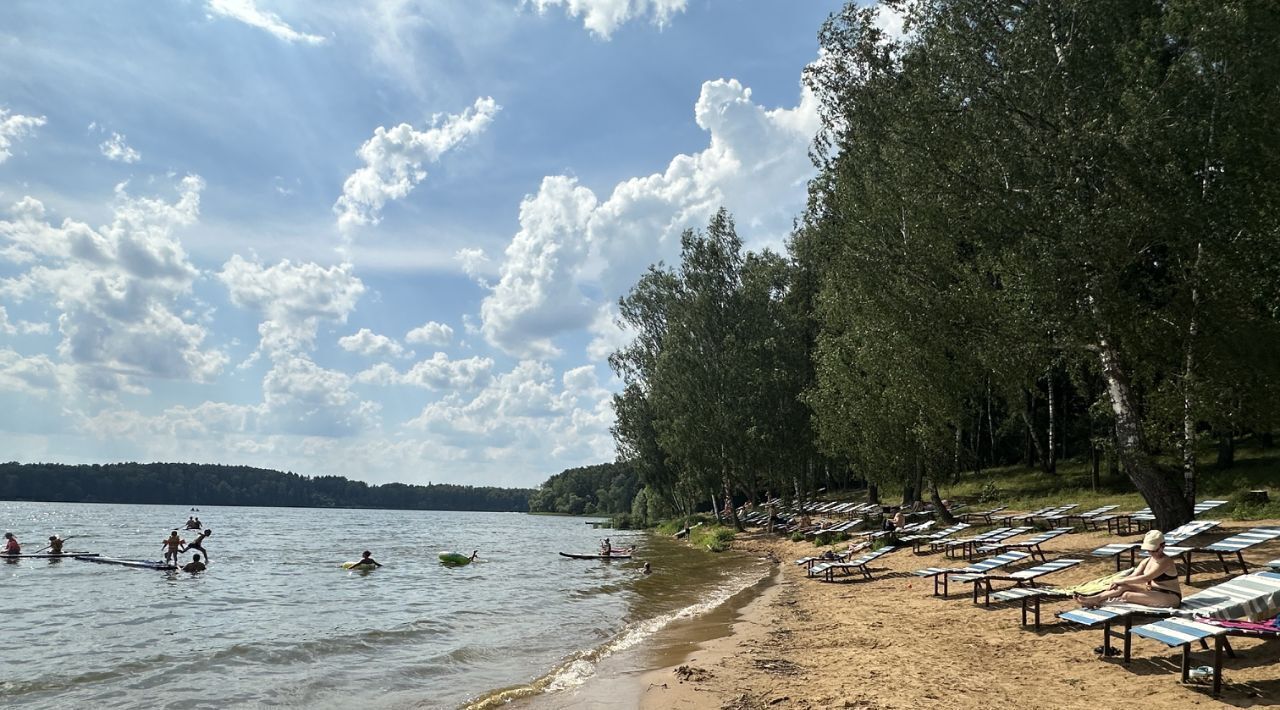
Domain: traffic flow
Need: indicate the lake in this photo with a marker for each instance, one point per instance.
(276, 621)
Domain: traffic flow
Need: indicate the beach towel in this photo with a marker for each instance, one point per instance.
(1093, 586)
(1270, 626)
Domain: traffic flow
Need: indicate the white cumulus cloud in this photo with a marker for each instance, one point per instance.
(370, 344)
(15, 126)
(115, 148)
(248, 12)
(575, 253)
(394, 158)
(120, 288)
(292, 298)
(602, 17)
(431, 333)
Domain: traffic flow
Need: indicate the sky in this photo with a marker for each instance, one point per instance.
(380, 239)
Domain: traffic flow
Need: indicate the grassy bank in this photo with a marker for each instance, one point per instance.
(1022, 488)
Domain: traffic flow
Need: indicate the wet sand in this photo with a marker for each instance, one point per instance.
(889, 643)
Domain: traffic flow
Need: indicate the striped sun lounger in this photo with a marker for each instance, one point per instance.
(1236, 544)
(1007, 520)
(1254, 595)
(919, 540)
(1020, 578)
(859, 565)
(1184, 632)
(1146, 517)
(1171, 539)
(966, 546)
(845, 556)
(1031, 544)
(984, 516)
(1068, 516)
(940, 574)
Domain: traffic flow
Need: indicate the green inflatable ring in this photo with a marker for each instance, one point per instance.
(454, 558)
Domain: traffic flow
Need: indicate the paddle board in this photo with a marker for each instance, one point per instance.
(358, 567)
(48, 555)
(616, 556)
(137, 564)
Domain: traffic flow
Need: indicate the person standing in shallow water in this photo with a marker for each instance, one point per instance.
(172, 545)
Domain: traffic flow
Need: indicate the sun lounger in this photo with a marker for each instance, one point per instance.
(1236, 544)
(1184, 632)
(1031, 518)
(966, 546)
(942, 573)
(849, 552)
(1029, 597)
(1020, 578)
(1031, 544)
(1067, 516)
(1254, 595)
(1007, 520)
(859, 565)
(984, 516)
(918, 540)
(1171, 539)
(1146, 517)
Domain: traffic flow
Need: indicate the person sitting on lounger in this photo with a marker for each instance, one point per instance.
(1154, 581)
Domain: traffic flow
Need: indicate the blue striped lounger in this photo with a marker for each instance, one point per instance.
(986, 565)
(1236, 544)
(1254, 595)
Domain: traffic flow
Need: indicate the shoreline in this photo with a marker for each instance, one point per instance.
(889, 643)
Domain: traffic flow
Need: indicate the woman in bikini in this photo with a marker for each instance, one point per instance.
(1154, 581)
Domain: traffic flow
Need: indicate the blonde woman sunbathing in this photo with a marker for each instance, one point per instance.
(1154, 581)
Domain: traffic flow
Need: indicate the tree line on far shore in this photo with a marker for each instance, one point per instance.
(1038, 230)
(188, 484)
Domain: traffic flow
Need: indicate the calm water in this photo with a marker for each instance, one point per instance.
(276, 621)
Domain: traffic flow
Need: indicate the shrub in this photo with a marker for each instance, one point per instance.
(797, 536)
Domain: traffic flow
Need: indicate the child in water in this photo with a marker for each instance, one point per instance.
(172, 545)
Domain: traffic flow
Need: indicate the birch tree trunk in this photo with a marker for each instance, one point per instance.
(1166, 501)
(1027, 411)
(1051, 460)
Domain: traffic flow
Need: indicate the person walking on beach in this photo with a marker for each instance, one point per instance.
(11, 546)
(195, 545)
(172, 545)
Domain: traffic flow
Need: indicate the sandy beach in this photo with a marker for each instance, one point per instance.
(889, 643)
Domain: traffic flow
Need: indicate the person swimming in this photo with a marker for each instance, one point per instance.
(195, 565)
(366, 560)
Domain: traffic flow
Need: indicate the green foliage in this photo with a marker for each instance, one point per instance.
(603, 489)
(208, 484)
(716, 538)
(989, 492)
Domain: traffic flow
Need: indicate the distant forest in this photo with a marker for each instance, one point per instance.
(588, 490)
(209, 484)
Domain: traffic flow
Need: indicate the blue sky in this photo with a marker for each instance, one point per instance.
(376, 239)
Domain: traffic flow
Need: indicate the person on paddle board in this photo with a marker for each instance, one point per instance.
(192, 524)
(606, 547)
(55, 545)
(11, 546)
(195, 565)
(172, 545)
(195, 545)
(366, 560)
